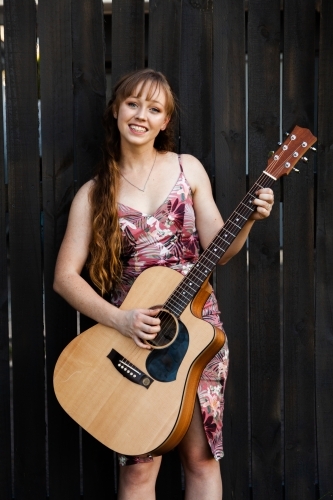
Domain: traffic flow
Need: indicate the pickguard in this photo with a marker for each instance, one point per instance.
(163, 364)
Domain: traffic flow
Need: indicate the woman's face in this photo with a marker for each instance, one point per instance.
(142, 115)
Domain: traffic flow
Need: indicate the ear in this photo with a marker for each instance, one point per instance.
(165, 124)
(114, 111)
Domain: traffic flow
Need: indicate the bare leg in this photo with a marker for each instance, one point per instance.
(202, 471)
(137, 482)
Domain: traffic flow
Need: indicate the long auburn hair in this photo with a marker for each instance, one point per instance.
(104, 261)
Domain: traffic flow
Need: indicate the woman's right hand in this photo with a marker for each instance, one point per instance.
(139, 325)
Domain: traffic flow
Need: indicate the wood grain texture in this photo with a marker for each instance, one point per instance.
(89, 86)
(25, 250)
(89, 90)
(324, 256)
(128, 37)
(5, 428)
(164, 44)
(55, 36)
(230, 186)
(165, 27)
(298, 258)
(195, 92)
(264, 256)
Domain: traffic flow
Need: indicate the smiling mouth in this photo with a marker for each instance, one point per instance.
(137, 128)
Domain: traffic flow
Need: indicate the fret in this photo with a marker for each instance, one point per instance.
(252, 207)
(239, 215)
(212, 262)
(235, 222)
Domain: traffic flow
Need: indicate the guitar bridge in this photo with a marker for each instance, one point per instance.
(128, 370)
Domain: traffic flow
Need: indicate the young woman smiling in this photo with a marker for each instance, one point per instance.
(148, 206)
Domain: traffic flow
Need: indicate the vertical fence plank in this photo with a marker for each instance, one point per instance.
(324, 267)
(25, 249)
(5, 429)
(195, 92)
(298, 257)
(165, 26)
(264, 264)
(89, 86)
(128, 37)
(165, 17)
(230, 186)
(54, 23)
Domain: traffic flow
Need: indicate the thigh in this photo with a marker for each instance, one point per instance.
(194, 445)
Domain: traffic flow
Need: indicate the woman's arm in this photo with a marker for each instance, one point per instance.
(208, 218)
(138, 324)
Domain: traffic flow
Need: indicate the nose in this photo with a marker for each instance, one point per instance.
(141, 113)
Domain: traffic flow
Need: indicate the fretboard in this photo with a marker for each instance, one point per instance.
(191, 283)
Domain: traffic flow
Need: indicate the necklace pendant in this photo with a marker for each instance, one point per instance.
(144, 187)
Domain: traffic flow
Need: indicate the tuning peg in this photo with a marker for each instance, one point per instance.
(313, 149)
(279, 143)
(305, 159)
(286, 133)
(296, 170)
(270, 153)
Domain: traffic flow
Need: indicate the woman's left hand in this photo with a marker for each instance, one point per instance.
(264, 203)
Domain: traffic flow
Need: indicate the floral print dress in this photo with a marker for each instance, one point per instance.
(169, 238)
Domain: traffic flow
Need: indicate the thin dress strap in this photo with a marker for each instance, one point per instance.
(180, 164)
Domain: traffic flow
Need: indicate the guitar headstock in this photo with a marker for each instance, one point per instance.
(290, 152)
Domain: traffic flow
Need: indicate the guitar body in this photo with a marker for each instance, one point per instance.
(133, 400)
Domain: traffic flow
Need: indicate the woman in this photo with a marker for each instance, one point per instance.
(148, 206)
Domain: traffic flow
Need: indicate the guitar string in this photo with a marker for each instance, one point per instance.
(175, 297)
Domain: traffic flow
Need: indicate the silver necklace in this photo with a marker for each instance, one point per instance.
(144, 187)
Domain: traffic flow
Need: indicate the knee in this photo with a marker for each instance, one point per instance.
(138, 478)
(200, 466)
(135, 475)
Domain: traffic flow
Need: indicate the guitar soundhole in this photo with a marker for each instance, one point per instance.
(168, 332)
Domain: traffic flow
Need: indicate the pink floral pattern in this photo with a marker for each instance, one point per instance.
(169, 238)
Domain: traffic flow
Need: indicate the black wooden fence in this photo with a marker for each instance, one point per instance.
(243, 73)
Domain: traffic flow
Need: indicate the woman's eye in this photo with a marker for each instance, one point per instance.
(155, 110)
(132, 104)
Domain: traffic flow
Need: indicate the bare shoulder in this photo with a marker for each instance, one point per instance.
(84, 191)
(195, 172)
(81, 200)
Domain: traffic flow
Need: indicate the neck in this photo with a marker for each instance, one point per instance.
(137, 158)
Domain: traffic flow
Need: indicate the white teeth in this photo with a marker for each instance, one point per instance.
(137, 128)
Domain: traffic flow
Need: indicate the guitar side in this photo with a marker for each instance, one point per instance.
(125, 416)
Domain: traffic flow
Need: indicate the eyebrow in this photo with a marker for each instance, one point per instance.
(149, 100)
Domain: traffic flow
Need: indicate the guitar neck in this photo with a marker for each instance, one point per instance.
(191, 283)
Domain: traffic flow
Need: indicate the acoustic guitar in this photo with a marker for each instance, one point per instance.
(138, 401)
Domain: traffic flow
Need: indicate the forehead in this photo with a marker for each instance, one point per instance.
(150, 91)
